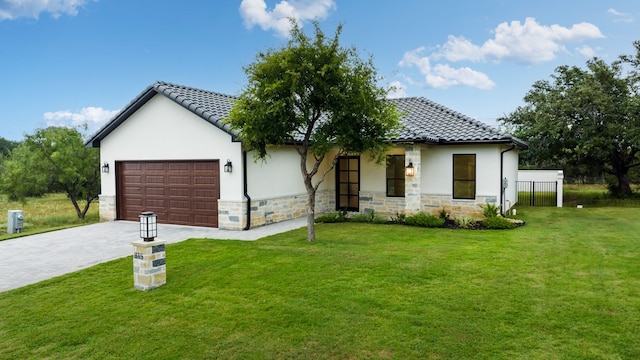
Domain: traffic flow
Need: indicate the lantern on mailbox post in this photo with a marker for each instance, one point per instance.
(148, 226)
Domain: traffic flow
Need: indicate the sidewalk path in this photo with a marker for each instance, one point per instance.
(34, 258)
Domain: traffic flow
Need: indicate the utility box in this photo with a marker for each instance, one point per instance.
(15, 221)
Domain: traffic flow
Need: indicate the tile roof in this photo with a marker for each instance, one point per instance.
(422, 120)
(426, 121)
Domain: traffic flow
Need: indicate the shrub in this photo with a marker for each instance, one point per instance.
(443, 214)
(425, 220)
(368, 217)
(380, 220)
(399, 218)
(464, 222)
(332, 217)
(490, 210)
(364, 217)
(498, 222)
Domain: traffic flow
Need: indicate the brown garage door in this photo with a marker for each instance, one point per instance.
(179, 192)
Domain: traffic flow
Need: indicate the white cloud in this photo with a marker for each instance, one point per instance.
(13, 9)
(92, 117)
(527, 42)
(620, 16)
(586, 51)
(398, 90)
(254, 12)
(443, 76)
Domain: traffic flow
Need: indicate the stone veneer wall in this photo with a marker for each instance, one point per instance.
(232, 214)
(381, 204)
(429, 203)
(433, 203)
(107, 207)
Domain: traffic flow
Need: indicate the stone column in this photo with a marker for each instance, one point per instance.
(149, 264)
(412, 154)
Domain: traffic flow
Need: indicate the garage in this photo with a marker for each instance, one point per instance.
(179, 192)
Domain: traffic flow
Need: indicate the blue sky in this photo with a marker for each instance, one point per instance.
(68, 62)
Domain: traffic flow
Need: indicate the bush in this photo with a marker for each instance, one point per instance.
(425, 220)
(443, 214)
(490, 210)
(398, 219)
(498, 222)
(368, 217)
(464, 222)
(332, 217)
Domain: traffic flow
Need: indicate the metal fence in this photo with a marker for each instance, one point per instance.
(537, 193)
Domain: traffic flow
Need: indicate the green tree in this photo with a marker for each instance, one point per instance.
(6, 146)
(584, 120)
(319, 97)
(53, 160)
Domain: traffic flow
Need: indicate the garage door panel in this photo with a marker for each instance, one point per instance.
(155, 191)
(180, 167)
(179, 192)
(205, 166)
(179, 180)
(154, 179)
(155, 166)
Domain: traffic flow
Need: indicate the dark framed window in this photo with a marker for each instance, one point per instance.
(395, 175)
(464, 176)
(348, 183)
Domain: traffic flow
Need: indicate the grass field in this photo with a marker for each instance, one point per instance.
(596, 195)
(47, 213)
(565, 286)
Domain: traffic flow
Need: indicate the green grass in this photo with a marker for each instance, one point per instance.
(565, 286)
(47, 213)
(596, 195)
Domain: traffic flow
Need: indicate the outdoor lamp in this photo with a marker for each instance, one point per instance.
(410, 170)
(105, 167)
(228, 167)
(148, 226)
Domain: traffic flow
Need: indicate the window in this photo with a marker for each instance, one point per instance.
(395, 175)
(464, 176)
(348, 183)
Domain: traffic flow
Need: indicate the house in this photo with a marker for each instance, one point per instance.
(169, 152)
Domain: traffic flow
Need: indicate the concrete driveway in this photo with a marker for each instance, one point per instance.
(34, 258)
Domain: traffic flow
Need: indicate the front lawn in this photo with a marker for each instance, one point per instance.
(566, 285)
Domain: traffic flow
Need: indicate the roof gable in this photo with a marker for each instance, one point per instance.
(423, 120)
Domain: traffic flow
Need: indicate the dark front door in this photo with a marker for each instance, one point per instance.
(348, 183)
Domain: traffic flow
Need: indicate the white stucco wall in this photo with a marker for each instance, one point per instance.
(279, 174)
(510, 171)
(437, 168)
(164, 130)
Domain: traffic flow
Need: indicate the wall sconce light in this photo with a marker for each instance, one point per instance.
(105, 167)
(228, 167)
(148, 226)
(410, 170)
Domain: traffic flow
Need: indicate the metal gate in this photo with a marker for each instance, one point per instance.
(537, 193)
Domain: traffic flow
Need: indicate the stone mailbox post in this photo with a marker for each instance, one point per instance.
(149, 255)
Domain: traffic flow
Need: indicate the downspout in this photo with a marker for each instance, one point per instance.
(245, 189)
(501, 177)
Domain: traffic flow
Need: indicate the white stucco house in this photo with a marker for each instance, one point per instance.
(166, 152)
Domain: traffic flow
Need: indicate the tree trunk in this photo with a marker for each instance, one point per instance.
(79, 212)
(311, 212)
(624, 188)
